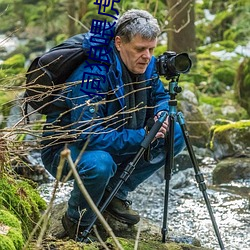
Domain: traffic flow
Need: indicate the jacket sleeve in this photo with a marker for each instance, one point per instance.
(88, 121)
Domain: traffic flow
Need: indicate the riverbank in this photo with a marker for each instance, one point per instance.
(188, 216)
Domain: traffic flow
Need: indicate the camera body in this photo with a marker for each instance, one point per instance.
(171, 65)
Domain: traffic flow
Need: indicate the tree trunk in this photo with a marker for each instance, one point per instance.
(72, 13)
(181, 27)
(83, 8)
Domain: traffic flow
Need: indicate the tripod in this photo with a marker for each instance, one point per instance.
(173, 90)
(169, 163)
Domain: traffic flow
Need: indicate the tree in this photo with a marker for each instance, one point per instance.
(181, 26)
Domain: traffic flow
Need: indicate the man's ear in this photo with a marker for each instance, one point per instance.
(118, 42)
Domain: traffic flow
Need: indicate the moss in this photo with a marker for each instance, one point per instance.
(220, 131)
(16, 61)
(6, 243)
(128, 244)
(13, 70)
(22, 200)
(242, 84)
(236, 125)
(225, 75)
(212, 100)
(13, 239)
(8, 219)
(16, 237)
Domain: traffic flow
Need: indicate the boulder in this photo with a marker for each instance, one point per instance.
(230, 140)
(231, 169)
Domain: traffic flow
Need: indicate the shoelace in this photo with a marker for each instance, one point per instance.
(127, 203)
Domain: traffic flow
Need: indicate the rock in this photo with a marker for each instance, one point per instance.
(197, 125)
(231, 169)
(149, 238)
(181, 179)
(231, 139)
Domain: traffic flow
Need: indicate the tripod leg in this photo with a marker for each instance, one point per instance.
(199, 177)
(168, 173)
(129, 168)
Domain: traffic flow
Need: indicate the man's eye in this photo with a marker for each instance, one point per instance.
(139, 49)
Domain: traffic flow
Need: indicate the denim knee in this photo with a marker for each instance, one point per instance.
(97, 165)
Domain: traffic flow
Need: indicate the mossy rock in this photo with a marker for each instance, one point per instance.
(10, 231)
(21, 199)
(232, 139)
(128, 244)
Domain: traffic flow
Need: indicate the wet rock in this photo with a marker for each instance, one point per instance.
(150, 234)
(231, 169)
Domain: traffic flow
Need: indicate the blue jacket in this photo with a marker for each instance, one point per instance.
(98, 121)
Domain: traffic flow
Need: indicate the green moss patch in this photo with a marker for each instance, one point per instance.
(10, 231)
(22, 200)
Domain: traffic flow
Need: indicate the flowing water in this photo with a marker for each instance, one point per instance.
(187, 212)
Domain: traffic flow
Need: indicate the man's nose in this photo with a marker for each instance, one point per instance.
(146, 54)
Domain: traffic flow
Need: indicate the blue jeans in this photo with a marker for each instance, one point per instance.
(100, 170)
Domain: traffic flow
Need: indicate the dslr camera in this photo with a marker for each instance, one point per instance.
(171, 65)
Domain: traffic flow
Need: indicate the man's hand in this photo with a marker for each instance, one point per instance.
(164, 128)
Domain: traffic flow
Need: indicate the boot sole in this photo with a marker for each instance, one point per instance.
(121, 219)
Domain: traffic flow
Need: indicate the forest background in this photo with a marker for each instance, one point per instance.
(216, 35)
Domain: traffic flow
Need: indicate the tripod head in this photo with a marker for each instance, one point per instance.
(174, 89)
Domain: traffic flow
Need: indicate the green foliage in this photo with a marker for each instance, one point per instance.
(229, 23)
(160, 49)
(22, 200)
(6, 243)
(12, 67)
(224, 75)
(219, 102)
(17, 61)
(13, 239)
(242, 84)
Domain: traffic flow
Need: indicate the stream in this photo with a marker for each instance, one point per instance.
(187, 212)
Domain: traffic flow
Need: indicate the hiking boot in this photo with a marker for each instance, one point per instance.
(75, 231)
(121, 211)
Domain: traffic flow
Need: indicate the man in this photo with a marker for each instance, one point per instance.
(111, 121)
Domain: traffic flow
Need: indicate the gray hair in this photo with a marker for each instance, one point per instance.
(137, 22)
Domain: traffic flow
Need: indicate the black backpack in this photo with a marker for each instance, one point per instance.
(48, 73)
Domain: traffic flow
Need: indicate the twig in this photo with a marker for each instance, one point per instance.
(137, 236)
(66, 154)
(99, 238)
(77, 21)
(45, 217)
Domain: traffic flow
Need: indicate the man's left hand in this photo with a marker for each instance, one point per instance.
(163, 129)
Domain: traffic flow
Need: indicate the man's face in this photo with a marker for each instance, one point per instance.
(137, 53)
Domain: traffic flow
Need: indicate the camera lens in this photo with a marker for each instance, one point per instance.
(182, 63)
